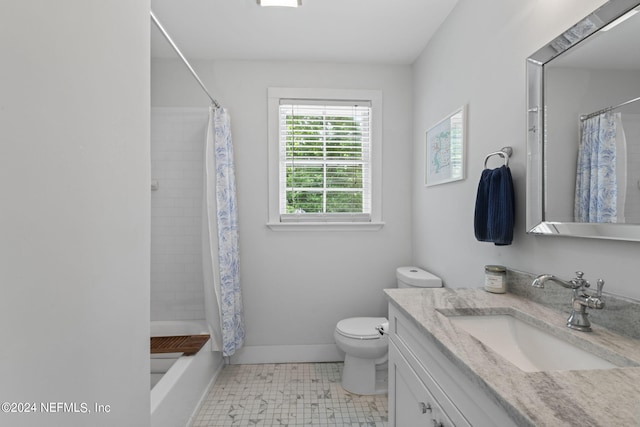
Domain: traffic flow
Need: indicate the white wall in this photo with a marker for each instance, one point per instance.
(74, 221)
(478, 57)
(297, 285)
(631, 125)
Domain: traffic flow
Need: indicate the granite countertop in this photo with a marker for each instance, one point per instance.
(608, 397)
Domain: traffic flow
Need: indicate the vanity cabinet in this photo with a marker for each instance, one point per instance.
(427, 389)
(413, 404)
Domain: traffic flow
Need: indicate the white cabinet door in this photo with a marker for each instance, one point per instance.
(411, 404)
(464, 402)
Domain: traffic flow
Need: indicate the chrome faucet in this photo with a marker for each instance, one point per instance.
(581, 299)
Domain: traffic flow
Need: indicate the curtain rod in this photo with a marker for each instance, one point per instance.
(175, 47)
(604, 110)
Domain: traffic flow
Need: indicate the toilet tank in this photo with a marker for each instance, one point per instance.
(414, 277)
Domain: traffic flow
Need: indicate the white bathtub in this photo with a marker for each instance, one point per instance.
(179, 383)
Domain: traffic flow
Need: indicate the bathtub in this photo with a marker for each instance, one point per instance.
(179, 383)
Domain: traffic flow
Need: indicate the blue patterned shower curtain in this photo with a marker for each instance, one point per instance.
(596, 187)
(223, 299)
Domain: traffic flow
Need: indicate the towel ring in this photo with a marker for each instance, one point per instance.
(505, 153)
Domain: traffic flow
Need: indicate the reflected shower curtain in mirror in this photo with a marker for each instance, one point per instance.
(596, 188)
(223, 299)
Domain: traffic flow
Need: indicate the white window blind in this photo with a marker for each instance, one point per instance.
(325, 160)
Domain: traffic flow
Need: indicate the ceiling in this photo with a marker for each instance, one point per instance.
(360, 31)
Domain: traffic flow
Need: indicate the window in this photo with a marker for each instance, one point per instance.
(324, 158)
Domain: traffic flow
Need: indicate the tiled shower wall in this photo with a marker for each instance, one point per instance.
(177, 146)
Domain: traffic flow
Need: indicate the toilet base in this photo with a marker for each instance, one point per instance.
(363, 376)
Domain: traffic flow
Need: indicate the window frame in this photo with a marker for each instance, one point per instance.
(356, 222)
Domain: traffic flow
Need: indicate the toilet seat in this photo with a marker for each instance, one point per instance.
(361, 328)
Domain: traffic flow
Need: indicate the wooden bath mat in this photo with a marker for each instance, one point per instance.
(187, 344)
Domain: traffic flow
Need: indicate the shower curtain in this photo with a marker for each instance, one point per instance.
(223, 300)
(596, 182)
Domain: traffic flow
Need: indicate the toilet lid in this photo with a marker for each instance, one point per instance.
(363, 328)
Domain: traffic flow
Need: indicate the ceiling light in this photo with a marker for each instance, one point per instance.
(283, 3)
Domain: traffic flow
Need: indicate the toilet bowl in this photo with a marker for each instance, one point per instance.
(365, 348)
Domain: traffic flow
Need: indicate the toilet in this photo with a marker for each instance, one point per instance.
(366, 349)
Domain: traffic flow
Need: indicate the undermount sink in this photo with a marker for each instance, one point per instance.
(528, 347)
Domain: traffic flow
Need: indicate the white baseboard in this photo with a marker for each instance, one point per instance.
(287, 354)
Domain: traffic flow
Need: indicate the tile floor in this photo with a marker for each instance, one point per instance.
(292, 394)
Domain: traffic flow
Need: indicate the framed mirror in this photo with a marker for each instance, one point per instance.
(583, 138)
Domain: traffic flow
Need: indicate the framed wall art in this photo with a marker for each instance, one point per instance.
(445, 146)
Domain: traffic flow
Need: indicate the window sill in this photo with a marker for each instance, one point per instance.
(325, 226)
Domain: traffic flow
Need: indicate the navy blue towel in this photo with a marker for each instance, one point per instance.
(495, 207)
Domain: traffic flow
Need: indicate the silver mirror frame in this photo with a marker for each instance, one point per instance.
(536, 222)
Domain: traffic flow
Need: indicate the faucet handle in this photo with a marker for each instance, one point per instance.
(578, 282)
(599, 285)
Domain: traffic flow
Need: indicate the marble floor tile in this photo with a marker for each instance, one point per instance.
(291, 395)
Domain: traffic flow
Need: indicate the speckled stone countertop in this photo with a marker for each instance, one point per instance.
(609, 397)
